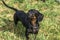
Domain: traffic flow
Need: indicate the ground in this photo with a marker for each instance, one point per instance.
(49, 27)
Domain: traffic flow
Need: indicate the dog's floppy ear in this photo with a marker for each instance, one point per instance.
(39, 16)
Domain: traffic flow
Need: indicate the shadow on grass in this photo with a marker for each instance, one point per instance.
(19, 31)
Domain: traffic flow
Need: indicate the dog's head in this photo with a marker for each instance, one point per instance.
(34, 17)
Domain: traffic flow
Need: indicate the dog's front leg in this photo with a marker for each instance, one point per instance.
(26, 34)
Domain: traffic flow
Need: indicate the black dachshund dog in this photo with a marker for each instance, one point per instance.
(30, 20)
(34, 17)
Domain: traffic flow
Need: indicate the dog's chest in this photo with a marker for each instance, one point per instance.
(33, 30)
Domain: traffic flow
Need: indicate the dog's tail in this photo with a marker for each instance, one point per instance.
(9, 6)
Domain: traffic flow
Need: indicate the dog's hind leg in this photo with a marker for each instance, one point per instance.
(15, 23)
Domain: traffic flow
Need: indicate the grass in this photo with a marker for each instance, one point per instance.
(49, 27)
